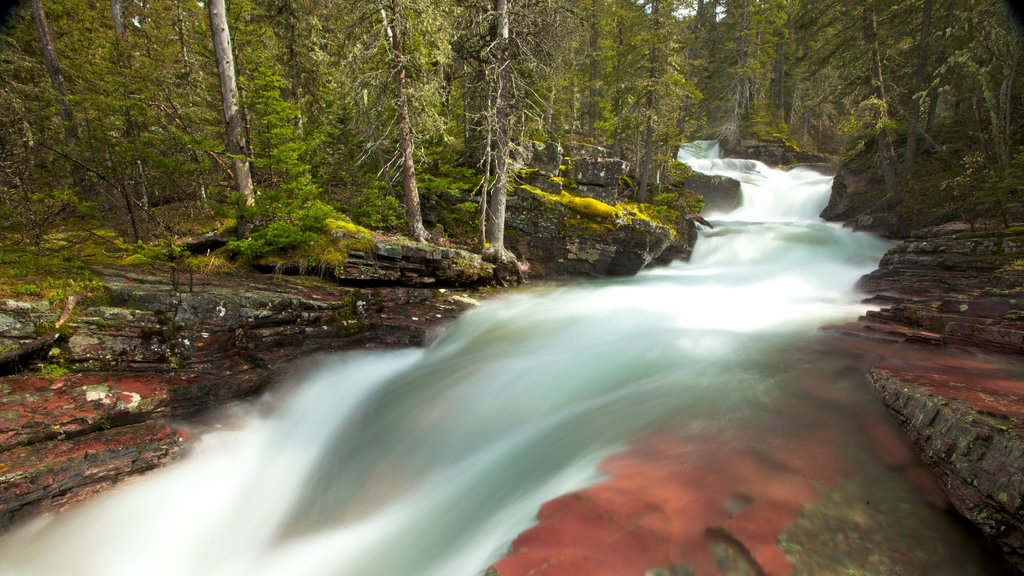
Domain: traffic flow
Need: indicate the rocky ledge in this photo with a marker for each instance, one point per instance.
(950, 290)
(568, 217)
(128, 369)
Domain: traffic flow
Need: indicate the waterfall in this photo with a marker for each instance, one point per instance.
(431, 461)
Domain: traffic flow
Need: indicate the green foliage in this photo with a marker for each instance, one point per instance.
(375, 208)
(295, 229)
(52, 370)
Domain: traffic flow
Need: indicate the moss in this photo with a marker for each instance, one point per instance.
(52, 371)
(586, 207)
(566, 183)
(587, 227)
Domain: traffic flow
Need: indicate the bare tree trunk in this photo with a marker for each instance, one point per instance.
(886, 156)
(53, 68)
(914, 110)
(505, 260)
(56, 74)
(136, 178)
(653, 76)
(592, 72)
(229, 99)
(411, 194)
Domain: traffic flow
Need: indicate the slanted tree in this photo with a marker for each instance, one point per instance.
(236, 144)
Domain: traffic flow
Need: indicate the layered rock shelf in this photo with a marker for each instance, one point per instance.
(150, 353)
(950, 293)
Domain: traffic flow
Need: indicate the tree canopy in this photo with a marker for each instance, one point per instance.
(112, 118)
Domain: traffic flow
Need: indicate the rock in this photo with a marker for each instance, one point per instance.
(774, 152)
(596, 171)
(859, 201)
(51, 476)
(387, 261)
(153, 353)
(721, 194)
(606, 195)
(682, 245)
(559, 241)
(545, 157)
(970, 431)
(949, 287)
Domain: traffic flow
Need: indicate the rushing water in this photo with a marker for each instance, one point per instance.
(431, 461)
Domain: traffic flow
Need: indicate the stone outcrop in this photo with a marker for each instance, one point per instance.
(356, 258)
(859, 201)
(145, 353)
(566, 217)
(954, 289)
(950, 286)
(558, 240)
(589, 171)
(773, 152)
(721, 193)
(969, 429)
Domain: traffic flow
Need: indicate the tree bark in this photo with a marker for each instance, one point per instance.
(650, 103)
(229, 99)
(914, 110)
(410, 192)
(886, 156)
(504, 260)
(53, 67)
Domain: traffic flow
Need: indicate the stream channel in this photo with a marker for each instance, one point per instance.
(432, 461)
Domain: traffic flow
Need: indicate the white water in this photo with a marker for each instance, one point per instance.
(431, 461)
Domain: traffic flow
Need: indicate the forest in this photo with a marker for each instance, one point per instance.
(128, 125)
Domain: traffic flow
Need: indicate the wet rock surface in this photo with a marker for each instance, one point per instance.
(950, 286)
(152, 355)
(943, 293)
(804, 503)
(967, 425)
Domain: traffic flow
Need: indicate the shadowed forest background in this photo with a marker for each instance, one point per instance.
(113, 140)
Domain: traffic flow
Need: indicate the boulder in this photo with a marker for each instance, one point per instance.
(721, 193)
(773, 152)
(359, 259)
(560, 239)
(596, 171)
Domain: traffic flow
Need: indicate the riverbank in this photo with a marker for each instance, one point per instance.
(944, 292)
(120, 395)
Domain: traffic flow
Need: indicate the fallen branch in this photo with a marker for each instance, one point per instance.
(11, 361)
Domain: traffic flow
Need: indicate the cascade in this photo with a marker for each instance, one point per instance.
(431, 461)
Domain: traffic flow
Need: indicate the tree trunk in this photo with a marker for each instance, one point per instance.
(914, 110)
(886, 156)
(650, 103)
(56, 74)
(496, 252)
(229, 99)
(53, 68)
(410, 192)
(590, 126)
(136, 178)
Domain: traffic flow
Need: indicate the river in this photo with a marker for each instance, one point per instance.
(432, 461)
